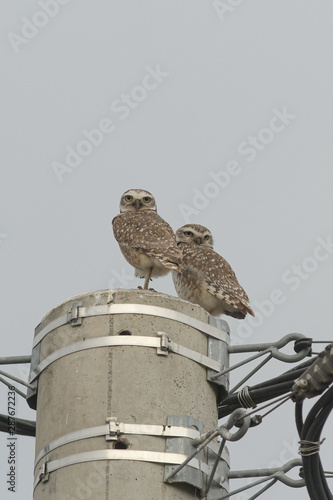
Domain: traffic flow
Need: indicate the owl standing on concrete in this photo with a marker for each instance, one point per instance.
(147, 242)
(206, 278)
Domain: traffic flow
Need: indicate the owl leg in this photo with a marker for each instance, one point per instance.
(147, 279)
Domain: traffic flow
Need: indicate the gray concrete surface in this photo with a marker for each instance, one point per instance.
(132, 383)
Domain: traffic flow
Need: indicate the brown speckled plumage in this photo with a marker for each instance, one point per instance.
(206, 278)
(145, 239)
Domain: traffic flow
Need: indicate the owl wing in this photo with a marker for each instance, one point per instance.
(148, 233)
(215, 274)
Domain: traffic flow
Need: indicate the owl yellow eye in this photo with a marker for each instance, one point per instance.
(206, 237)
(128, 198)
(146, 199)
(188, 233)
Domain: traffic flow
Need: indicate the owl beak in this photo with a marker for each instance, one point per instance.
(137, 204)
(198, 241)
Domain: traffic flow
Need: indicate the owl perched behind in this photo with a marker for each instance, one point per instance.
(147, 242)
(206, 278)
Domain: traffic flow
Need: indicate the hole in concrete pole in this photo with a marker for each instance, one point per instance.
(124, 332)
(121, 444)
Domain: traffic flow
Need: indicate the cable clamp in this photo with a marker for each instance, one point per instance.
(308, 448)
(245, 399)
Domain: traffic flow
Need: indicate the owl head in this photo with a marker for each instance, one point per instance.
(134, 200)
(194, 234)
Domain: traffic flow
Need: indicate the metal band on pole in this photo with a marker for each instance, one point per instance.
(121, 341)
(115, 428)
(135, 455)
(142, 309)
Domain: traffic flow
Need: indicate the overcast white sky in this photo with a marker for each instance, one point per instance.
(223, 113)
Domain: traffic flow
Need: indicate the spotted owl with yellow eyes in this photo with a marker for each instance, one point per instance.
(206, 278)
(146, 240)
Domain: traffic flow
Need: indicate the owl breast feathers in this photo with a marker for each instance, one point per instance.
(145, 236)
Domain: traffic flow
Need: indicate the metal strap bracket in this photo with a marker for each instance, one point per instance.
(163, 350)
(73, 316)
(114, 429)
(43, 475)
(167, 345)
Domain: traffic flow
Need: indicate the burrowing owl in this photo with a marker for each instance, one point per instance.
(147, 242)
(206, 278)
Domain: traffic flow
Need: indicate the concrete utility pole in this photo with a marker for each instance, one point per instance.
(123, 388)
